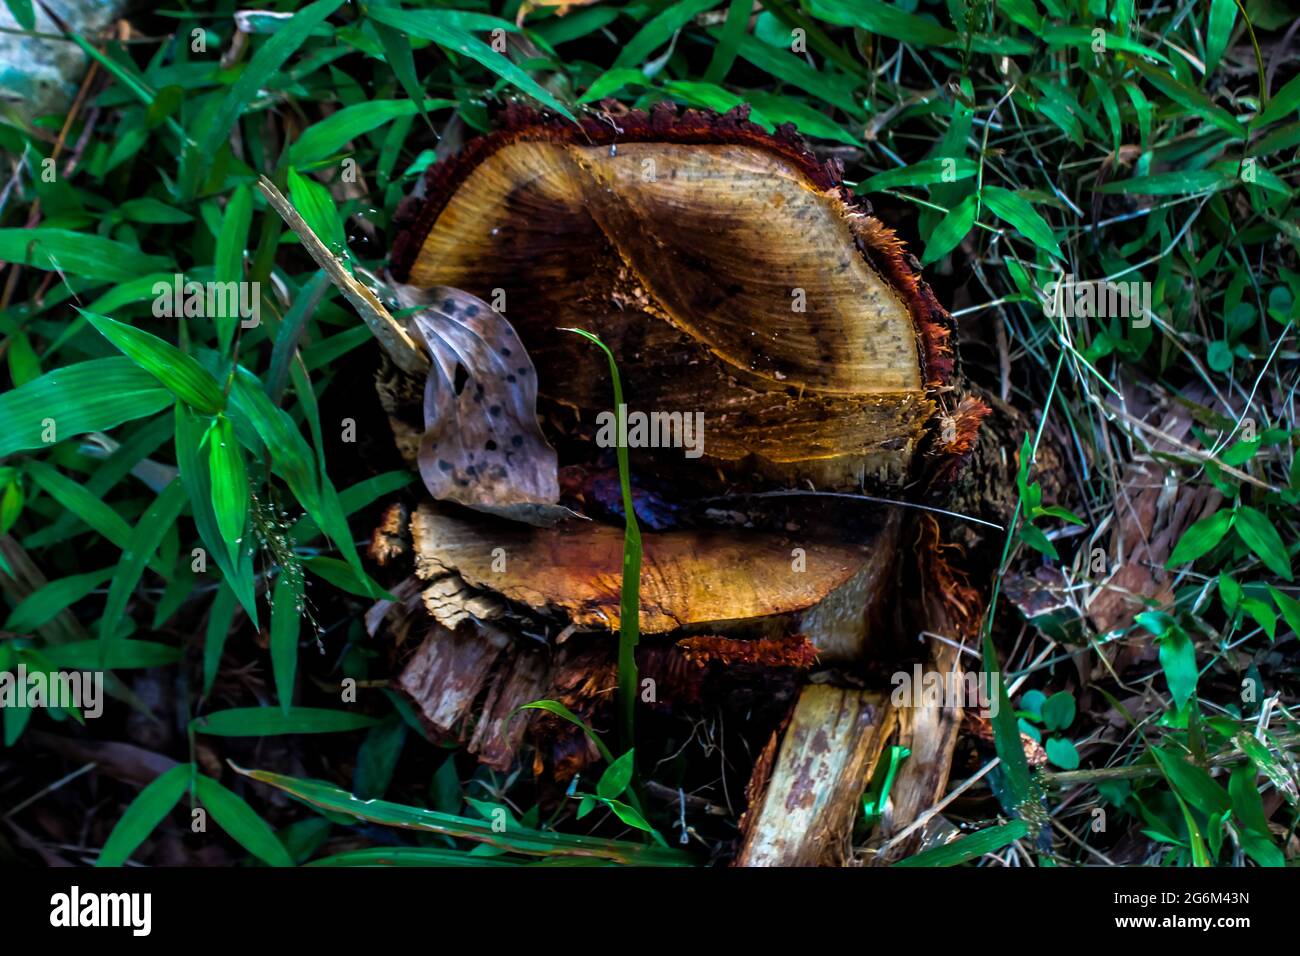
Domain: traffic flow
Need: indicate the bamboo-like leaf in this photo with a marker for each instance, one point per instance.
(228, 263)
(883, 20)
(78, 254)
(265, 63)
(952, 229)
(411, 856)
(286, 612)
(448, 30)
(77, 500)
(1200, 538)
(23, 13)
(193, 465)
(144, 814)
(229, 485)
(144, 540)
(1255, 529)
(331, 134)
(268, 722)
(183, 376)
(85, 397)
(52, 598)
(1218, 31)
(122, 654)
(515, 840)
(243, 824)
(988, 840)
(1015, 210)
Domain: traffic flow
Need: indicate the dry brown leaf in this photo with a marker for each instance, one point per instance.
(482, 446)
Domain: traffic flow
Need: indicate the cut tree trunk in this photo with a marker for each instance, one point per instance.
(733, 277)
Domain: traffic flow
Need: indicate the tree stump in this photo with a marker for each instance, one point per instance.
(736, 279)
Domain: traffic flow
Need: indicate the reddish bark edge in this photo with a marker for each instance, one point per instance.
(614, 123)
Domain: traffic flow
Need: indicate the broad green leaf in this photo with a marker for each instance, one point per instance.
(1289, 607)
(952, 229)
(616, 777)
(314, 202)
(1085, 38)
(77, 254)
(70, 401)
(220, 618)
(440, 27)
(1255, 529)
(239, 820)
(400, 58)
(728, 40)
(1263, 851)
(1062, 753)
(52, 598)
(259, 71)
(925, 173)
(228, 264)
(1040, 542)
(1178, 660)
(422, 856)
(629, 815)
(338, 573)
(23, 13)
(1177, 183)
(193, 466)
(153, 212)
(1282, 104)
(76, 499)
(1246, 801)
(120, 655)
(144, 814)
(1015, 210)
(776, 109)
(1200, 538)
(229, 484)
(331, 134)
(660, 29)
(519, 840)
(269, 722)
(559, 710)
(1193, 783)
(144, 541)
(183, 376)
(1058, 711)
(377, 758)
(1218, 31)
(286, 612)
(1192, 100)
(884, 20)
(988, 840)
(792, 69)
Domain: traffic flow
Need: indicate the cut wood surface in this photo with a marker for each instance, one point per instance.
(728, 270)
(688, 578)
(802, 813)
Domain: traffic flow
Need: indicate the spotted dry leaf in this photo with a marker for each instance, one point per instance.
(482, 446)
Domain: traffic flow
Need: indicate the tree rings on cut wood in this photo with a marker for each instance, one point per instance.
(727, 269)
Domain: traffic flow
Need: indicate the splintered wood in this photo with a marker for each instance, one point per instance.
(802, 813)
